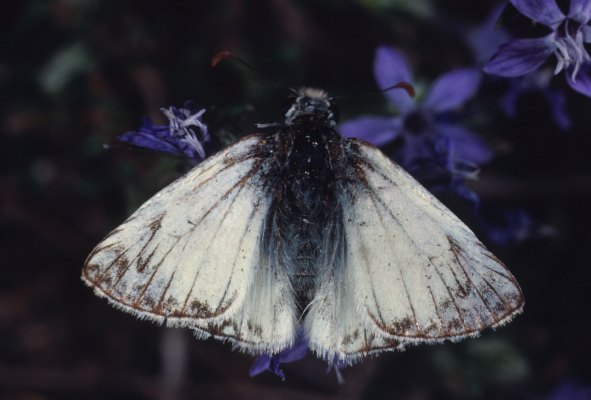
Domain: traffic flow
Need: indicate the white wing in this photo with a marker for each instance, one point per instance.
(190, 255)
(410, 271)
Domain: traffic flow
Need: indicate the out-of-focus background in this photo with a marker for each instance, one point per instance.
(74, 74)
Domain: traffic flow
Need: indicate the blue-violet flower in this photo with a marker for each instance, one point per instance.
(272, 363)
(566, 42)
(429, 139)
(537, 82)
(185, 133)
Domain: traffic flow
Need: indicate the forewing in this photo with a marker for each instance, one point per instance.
(411, 270)
(190, 255)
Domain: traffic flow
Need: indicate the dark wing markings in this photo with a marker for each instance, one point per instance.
(443, 328)
(371, 167)
(457, 251)
(240, 185)
(453, 299)
(471, 284)
(129, 262)
(137, 302)
(506, 306)
(373, 199)
(158, 308)
(250, 218)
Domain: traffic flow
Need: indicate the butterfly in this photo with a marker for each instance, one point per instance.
(302, 232)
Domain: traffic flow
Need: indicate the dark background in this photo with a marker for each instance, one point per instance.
(75, 74)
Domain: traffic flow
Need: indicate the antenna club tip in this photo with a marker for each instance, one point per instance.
(408, 87)
(221, 55)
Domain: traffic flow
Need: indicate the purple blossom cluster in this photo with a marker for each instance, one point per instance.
(430, 142)
(185, 134)
(566, 43)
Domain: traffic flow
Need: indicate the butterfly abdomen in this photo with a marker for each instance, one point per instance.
(305, 205)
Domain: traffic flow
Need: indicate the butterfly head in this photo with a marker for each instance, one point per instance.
(310, 105)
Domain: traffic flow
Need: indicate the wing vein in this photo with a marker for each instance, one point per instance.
(156, 267)
(436, 308)
(454, 249)
(159, 305)
(375, 197)
(133, 260)
(254, 210)
(375, 200)
(240, 185)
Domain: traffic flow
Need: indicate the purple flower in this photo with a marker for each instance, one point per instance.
(486, 37)
(428, 138)
(566, 42)
(185, 133)
(537, 82)
(443, 172)
(512, 227)
(272, 363)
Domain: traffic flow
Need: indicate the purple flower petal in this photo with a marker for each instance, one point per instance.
(580, 10)
(179, 137)
(296, 352)
(458, 186)
(514, 226)
(545, 12)
(375, 130)
(536, 83)
(453, 89)
(557, 102)
(262, 364)
(465, 146)
(586, 33)
(265, 363)
(521, 56)
(416, 150)
(487, 37)
(582, 83)
(154, 137)
(390, 68)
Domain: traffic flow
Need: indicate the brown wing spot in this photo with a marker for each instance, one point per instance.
(143, 262)
(398, 328)
(148, 302)
(402, 326)
(456, 325)
(199, 309)
(121, 264)
(223, 328)
(170, 304)
(224, 306)
(156, 224)
(90, 269)
(390, 342)
(431, 330)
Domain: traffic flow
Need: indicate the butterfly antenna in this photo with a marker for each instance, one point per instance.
(223, 55)
(409, 88)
